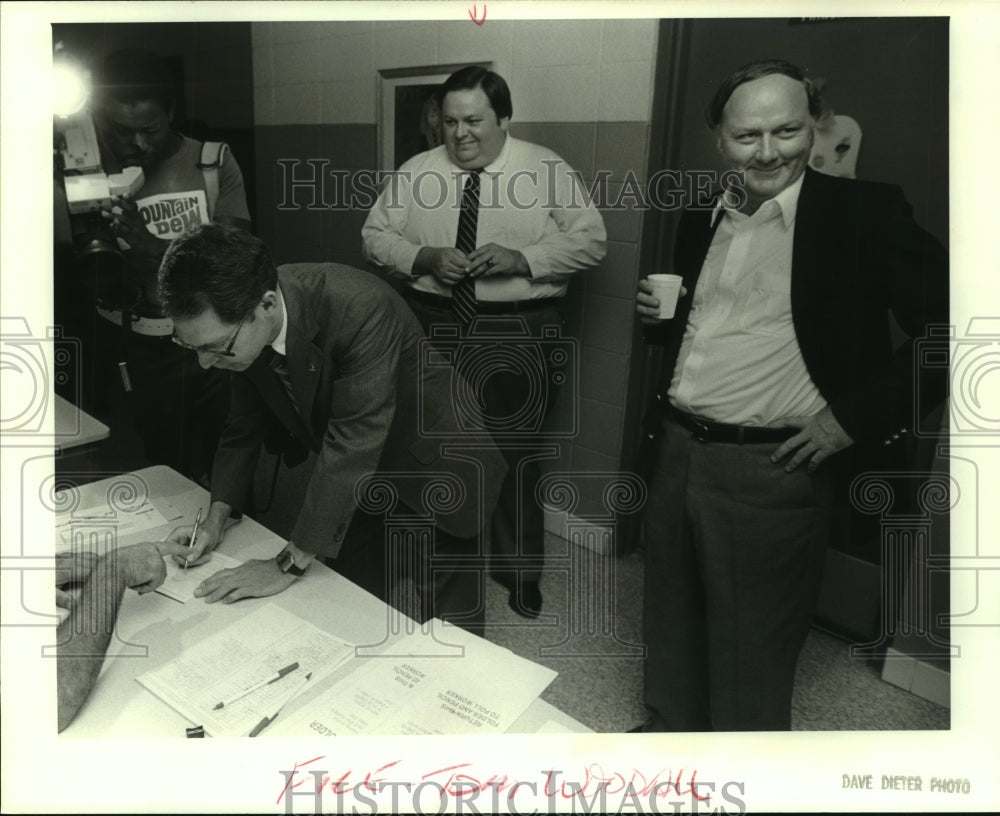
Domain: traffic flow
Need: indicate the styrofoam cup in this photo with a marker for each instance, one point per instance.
(666, 288)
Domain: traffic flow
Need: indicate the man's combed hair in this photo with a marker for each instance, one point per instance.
(493, 85)
(758, 70)
(133, 75)
(216, 266)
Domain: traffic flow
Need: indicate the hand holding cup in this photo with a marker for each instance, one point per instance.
(657, 297)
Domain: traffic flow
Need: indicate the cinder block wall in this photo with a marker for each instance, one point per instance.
(582, 88)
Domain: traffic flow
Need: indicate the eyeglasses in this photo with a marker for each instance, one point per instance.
(223, 352)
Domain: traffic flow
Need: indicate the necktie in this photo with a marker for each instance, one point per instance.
(294, 447)
(463, 294)
(279, 364)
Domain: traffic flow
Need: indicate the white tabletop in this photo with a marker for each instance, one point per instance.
(74, 427)
(153, 629)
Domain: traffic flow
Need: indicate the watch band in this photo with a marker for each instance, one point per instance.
(286, 563)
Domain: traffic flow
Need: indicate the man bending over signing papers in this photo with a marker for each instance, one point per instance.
(327, 357)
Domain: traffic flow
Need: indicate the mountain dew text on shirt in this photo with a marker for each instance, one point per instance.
(169, 215)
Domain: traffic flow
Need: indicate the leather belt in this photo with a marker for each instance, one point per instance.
(706, 430)
(488, 306)
(149, 326)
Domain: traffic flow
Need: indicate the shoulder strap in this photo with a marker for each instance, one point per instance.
(212, 156)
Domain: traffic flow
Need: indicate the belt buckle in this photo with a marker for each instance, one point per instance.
(700, 430)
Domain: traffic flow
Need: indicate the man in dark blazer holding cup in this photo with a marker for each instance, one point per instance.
(778, 358)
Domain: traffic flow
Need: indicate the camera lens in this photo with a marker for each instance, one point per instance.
(99, 255)
(95, 248)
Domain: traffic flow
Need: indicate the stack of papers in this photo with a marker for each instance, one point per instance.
(415, 691)
(429, 682)
(239, 657)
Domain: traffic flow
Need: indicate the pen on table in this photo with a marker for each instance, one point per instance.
(264, 723)
(250, 689)
(194, 535)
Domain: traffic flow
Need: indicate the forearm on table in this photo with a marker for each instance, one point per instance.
(84, 636)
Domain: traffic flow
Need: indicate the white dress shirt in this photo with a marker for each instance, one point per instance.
(739, 360)
(530, 200)
(278, 344)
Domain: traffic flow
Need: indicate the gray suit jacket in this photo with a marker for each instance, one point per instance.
(366, 404)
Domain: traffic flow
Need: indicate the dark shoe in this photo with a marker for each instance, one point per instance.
(528, 602)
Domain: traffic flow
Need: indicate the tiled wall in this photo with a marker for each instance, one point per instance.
(582, 88)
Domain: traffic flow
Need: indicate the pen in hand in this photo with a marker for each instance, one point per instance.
(194, 535)
(266, 721)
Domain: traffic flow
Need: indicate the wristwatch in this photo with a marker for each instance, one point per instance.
(286, 563)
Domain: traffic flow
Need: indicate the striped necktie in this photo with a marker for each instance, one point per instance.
(463, 294)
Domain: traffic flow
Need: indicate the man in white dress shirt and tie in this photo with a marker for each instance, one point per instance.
(489, 226)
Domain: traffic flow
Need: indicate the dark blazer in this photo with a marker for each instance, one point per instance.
(353, 355)
(857, 253)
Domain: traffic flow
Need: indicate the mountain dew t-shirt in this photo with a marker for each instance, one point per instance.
(172, 199)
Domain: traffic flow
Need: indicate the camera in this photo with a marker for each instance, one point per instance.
(79, 175)
(971, 365)
(498, 351)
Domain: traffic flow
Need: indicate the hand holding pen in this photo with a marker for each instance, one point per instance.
(194, 536)
(204, 537)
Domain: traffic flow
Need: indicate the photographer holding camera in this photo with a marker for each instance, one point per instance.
(178, 407)
(487, 224)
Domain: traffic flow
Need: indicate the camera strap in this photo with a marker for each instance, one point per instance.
(212, 156)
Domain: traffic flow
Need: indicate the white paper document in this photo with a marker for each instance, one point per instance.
(143, 517)
(552, 727)
(480, 692)
(221, 667)
(180, 584)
